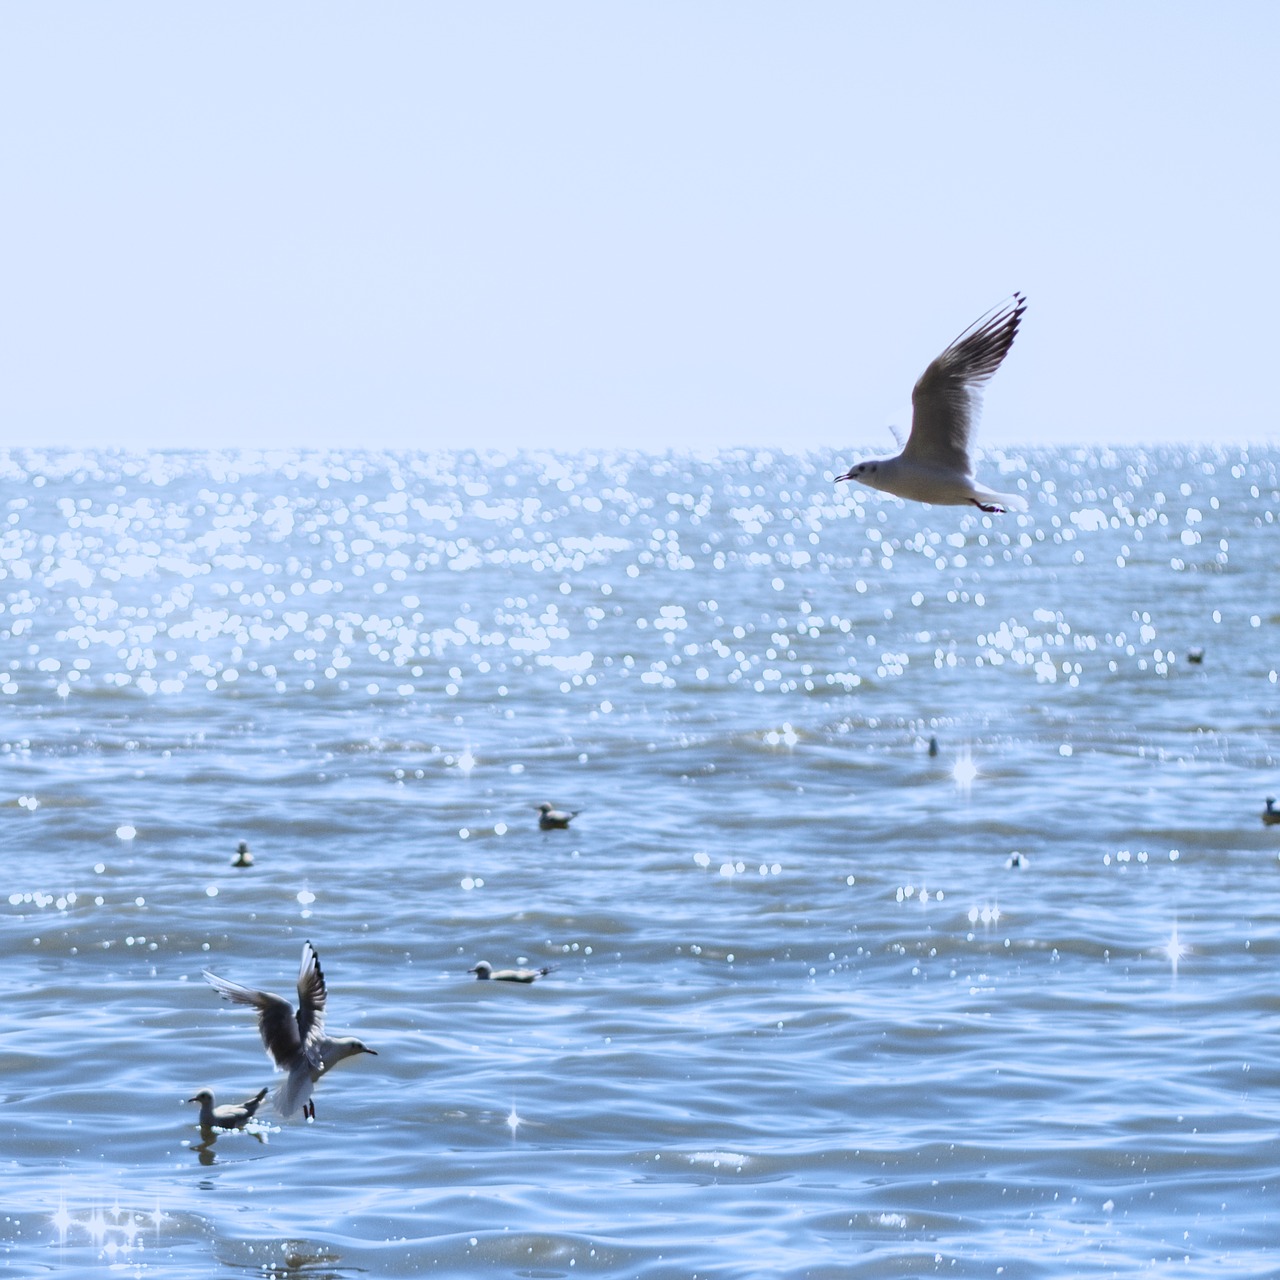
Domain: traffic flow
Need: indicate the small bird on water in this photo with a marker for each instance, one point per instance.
(295, 1042)
(233, 1115)
(552, 819)
(934, 465)
(485, 972)
(1270, 815)
(243, 857)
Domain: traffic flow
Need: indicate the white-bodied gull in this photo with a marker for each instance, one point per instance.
(295, 1042)
(232, 1115)
(934, 465)
(485, 972)
(552, 819)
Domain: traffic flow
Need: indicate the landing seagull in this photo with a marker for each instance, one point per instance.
(946, 404)
(295, 1042)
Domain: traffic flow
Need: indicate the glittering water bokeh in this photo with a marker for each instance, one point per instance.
(918, 919)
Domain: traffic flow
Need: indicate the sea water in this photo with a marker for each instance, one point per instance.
(918, 918)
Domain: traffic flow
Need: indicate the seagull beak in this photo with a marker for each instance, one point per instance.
(372, 1051)
(848, 475)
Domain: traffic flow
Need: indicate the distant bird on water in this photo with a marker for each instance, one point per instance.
(295, 1042)
(553, 819)
(1270, 815)
(234, 1115)
(934, 466)
(1196, 655)
(243, 857)
(485, 972)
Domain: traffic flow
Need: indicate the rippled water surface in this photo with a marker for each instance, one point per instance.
(809, 1014)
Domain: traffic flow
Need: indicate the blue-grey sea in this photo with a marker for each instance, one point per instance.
(919, 918)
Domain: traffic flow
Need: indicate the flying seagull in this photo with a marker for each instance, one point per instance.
(233, 1115)
(295, 1042)
(946, 404)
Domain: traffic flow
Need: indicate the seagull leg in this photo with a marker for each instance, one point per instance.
(990, 507)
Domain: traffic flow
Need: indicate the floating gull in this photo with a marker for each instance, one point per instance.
(1270, 815)
(485, 972)
(946, 404)
(1196, 654)
(243, 857)
(232, 1115)
(295, 1042)
(553, 819)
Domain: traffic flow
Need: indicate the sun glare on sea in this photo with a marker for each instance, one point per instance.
(964, 771)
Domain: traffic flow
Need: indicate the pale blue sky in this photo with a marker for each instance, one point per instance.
(663, 224)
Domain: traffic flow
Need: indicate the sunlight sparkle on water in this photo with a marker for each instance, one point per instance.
(964, 771)
(62, 1221)
(1175, 949)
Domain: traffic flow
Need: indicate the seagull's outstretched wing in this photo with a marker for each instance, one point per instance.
(276, 1022)
(312, 994)
(947, 401)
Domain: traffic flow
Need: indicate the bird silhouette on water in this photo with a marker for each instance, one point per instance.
(1270, 815)
(295, 1041)
(243, 857)
(934, 465)
(552, 819)
(485, 972)
(233, 1115)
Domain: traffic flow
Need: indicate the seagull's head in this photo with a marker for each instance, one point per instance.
(482, 970)
(863, 472)
(205, 1095)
